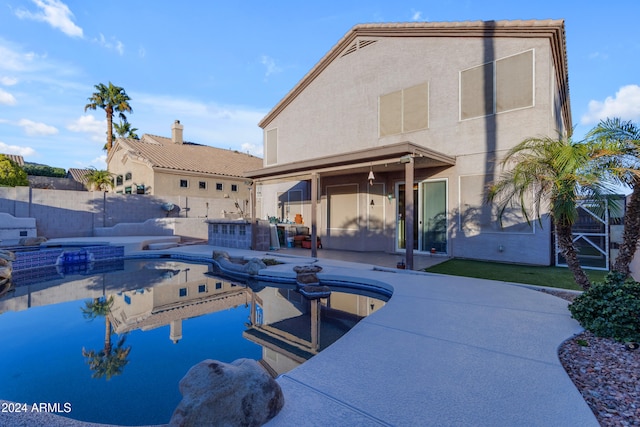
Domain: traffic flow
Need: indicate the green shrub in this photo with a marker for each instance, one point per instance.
(610, 309)
(11, 174)
(44, 170)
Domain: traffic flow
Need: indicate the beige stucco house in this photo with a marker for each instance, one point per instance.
(436, 105)
(162, 166)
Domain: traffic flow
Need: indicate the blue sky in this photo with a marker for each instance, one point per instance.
(220, 66)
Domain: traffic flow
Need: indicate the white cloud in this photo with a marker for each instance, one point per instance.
(89, 124)
(223, 126)
(256, 150)
(8, 81)
(13, 60)
(6, 98)
(142, 52)
(14, 149)
(55, 13)
(99, 162)
(625, 105)
(32, 128)
(112, 44)
(598, 55)
(270, 65)
(416, 15)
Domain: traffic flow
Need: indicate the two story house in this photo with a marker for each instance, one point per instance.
(161, 166)
(389, 142)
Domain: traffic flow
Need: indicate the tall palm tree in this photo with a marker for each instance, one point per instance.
(624, 166)
(124, 130)
(112, 99)
(101, 179)
(109, 361)
(556, 173)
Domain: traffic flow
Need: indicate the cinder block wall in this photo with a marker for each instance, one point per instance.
(62, 213)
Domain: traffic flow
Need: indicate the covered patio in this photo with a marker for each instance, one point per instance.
(393, 162)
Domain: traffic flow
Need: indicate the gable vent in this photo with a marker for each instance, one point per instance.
(358, 44)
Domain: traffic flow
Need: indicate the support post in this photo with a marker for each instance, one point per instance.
(254, 224)
(314, 214)
(408, 214)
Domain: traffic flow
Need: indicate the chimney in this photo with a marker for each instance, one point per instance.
(176, 132)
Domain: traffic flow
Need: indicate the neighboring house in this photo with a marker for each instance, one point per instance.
(433, 104)
(73, 180)
(79, 176)
(16, 158)
(161, 166)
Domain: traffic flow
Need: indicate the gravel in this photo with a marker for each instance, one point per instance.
(606, 373)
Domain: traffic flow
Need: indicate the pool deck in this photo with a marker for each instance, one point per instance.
(444, 351)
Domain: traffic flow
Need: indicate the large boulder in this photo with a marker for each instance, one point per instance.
(253, 266)
(222, 394)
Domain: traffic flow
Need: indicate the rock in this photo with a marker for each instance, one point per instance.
(307, 269)
(221, 394)
(254, 266)
(32, 241)
(220, 255)
(306, 274)
(6, 272)
(315, 292)
(7, 255)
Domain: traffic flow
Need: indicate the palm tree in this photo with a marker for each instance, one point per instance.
(124, 130)
(108, 361)
(558, 174)
(101, 179)
(624, 166)
(111, 99)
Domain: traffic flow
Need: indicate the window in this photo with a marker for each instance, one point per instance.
(127, 190)
(127, 176)
(271, 146)
(219, 186)
(218, 285)
(234, 187)
(514, 82)
(202, 288)
(406, 110)
(242, 230)
(502, 85)
(140, 189)
(184, 183)
(202, 185)
(119, 180)
(182, 292)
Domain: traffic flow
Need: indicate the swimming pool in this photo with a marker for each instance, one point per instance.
(163, 317)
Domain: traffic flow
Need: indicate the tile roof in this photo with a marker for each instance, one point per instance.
(15, 157)
(163, 153)
(79, 175)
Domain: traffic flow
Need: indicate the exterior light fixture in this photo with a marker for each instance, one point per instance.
(371, 177)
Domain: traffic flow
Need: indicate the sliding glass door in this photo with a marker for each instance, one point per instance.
(430, 216)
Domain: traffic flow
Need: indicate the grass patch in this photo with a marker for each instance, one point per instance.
(556, 277)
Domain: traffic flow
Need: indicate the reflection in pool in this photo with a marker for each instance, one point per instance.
(116, 344)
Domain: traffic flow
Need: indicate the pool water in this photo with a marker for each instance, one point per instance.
(164, 317)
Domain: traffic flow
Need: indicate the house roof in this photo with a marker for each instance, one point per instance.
(79, 175)
(552, 29)
(162, 153)
(15, 157)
